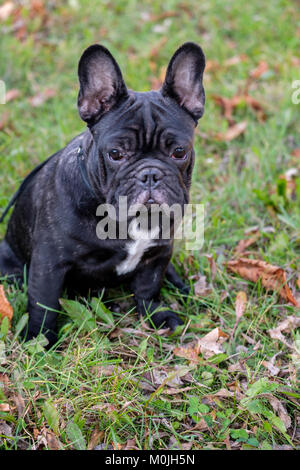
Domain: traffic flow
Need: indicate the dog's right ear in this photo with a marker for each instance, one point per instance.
(101, 83)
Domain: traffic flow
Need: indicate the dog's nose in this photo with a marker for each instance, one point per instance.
(150, 176)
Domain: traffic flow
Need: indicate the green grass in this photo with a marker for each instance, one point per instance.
(98, 389)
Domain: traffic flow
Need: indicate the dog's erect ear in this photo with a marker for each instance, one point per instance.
(184, 76)
(101, 83)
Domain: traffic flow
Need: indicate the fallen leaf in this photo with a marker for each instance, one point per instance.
(296, 152)
(296, 61)
(298, 281)
(208, 346)
(274, 370)
(4, 407)
(232, 132)
(6, 10)
(213, 266)
(200, 426)
(52, 441)
(95, 438)
(272, 277)
(229, 104)
(20, 404)
(259, 70)
(175, 391)
(280, 409)
(211, 343)
(240, 307)
(245, 243)
(201, 288)
(12, 95)
(237, 59)
(287, 325)
(41, 97)
(4, 120)
(130, 445)
(190, 352)
(5, 429)
(6, 309)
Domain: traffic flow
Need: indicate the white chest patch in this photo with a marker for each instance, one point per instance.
(135, 249)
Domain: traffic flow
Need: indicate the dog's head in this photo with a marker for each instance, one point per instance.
(142, 142)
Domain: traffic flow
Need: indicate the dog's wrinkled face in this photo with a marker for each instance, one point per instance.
(142, 142)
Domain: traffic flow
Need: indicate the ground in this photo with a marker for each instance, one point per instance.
(116, 383)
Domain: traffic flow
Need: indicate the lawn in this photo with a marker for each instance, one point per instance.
(116, 383)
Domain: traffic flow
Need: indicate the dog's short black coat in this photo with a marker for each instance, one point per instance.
(127, 150)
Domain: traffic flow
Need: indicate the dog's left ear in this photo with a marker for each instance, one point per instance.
(101, 83)
(184, 77)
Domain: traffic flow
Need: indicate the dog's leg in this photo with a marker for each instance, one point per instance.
(173, 278)
(45, 285)
(146, 288)
(10, 265)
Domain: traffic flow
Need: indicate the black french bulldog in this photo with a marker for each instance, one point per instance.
(138, 145)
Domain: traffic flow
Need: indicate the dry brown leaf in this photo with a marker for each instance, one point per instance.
(274, 370)
(190, 352)
(240, 304)
(201, 288)
(12, 95)
(280, 409)
(20, 404)
(287, 325)
(237, 59)
(240, 307)
(295, 61)
(229, 104)
(232, 132)
(245, 243)
(6, 309)
(298, 281)
(4, 120)
(208, 346)
(272, 277)
(211, 343)
(4, 407)
(41, 97)
(130, 445)
(259, 70)
(213, 266)
(95, 439)
(6, 10)
(52, 441)
(175, 391)
(296, 152)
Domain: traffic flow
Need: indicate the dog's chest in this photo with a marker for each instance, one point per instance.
(135, 252)
(136, 249)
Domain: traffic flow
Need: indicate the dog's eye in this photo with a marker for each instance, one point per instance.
(115, 155)
(178, 153)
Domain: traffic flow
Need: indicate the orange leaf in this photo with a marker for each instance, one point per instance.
(6, 309)
(191, 352)
(243, 244)
(240, 304)
(233, 132)
(259, 70)
(12, 95)
(272, 277)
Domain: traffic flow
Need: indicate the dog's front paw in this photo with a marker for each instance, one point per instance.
(166, 319)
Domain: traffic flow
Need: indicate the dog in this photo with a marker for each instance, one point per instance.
(137, 145)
